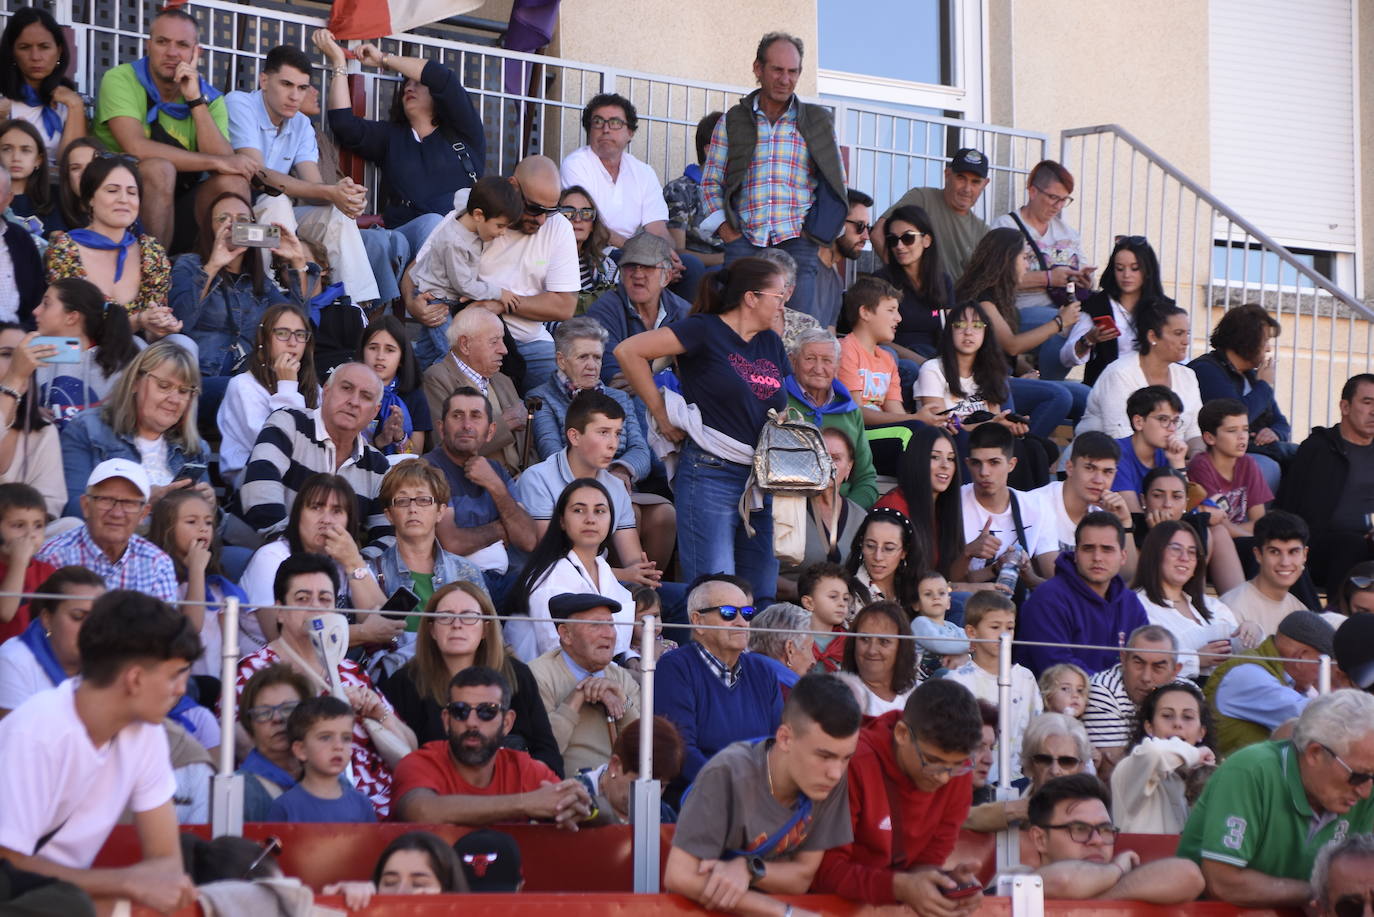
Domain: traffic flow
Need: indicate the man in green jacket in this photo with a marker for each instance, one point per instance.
(813, 389)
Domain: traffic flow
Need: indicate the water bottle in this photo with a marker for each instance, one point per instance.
(1010, 574)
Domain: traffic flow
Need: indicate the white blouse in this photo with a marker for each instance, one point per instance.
(1106, 410)
(535, 637)
(1191, 634)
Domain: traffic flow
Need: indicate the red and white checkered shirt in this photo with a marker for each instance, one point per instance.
(778, 189)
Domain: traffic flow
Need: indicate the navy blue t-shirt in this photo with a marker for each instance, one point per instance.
(732, 383)
(1130, 472)
(297, 805)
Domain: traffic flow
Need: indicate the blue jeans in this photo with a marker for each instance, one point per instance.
(418, 230)
(692, 272)
(1046, 404)
(710, 532)
(803, 252)
(388, 251)
(1048, 354)
(539, 364)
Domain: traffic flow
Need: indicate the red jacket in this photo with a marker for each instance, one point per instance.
(929, 822)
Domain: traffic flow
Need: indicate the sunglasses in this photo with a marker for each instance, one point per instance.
(1132, 240)
(540, 210)
(1353, 777)
(1351, 905)
(728, 612)
(1065, 761)
(487, 712)
(578, 214)
(907, 238)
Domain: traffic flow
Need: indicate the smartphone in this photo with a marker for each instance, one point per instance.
(255, 235)
(1105, 322)
(962, 890)
(402, 601)
(68, 349)
(192, 471)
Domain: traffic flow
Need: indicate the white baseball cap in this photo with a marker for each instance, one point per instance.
(122, 468)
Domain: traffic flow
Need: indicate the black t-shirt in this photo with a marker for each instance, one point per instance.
(1357, 498)
(732, 382)
(923, 314)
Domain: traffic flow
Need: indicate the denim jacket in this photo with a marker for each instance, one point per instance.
(549, 428)
(392, 573)
(229, 313)
(87, 441)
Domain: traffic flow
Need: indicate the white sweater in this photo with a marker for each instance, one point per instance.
(1106, 410)
(242, 415)
(1148, 786)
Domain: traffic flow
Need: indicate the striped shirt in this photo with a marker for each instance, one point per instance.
(143, 566)
(1110, 714)
(780, 186)
(294, 445)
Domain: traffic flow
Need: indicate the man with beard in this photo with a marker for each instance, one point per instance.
(830, 279)
(469, 779)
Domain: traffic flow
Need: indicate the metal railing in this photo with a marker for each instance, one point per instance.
(1212, 258)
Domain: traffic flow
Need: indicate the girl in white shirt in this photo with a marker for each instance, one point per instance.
(280, 374)
(970, 371)
(1169, 581)
(570, 558)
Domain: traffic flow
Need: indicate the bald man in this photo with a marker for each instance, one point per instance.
(536, 259)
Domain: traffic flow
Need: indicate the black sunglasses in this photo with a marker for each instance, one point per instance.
(487, 712)
(1351, 905)
(540, 209)
(1132, 240)
(907, 238)
(1065, 761)
(1353, 777)
(728, 612)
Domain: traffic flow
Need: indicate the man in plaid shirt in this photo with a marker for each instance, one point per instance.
(771, 158)
(115, 501)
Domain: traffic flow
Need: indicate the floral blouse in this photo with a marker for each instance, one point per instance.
(64, 260)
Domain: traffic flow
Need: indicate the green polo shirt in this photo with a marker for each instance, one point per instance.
(121, 95)
(1254, 814)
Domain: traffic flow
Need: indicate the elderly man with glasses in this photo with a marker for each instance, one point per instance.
(1269, 808)
(115, 502)
(921, 760)
(1073, 835)
(713, 690)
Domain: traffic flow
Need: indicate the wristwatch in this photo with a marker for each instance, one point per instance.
(756, 868)
(359, 573)
(192, 103)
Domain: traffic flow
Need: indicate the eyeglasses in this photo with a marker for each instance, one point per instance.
(1353, 777)
(597, 123)
(1169, 422)
(859, 226)
(109, 504)
(728, 612)
(1352, 905)
(540, 210)
(166, 386)
(462, 619)
(1080, 832)
(407, 502)
(1056, 199)
(268, 714)
(1067, 762)
(782, 297)
(301, 335)
(579, 214)
(968, 326)
(1182, 550)
(907, 238)
(1361, 582)
(270, 846)
(938, 769)
(485, 712)
(1132, 240)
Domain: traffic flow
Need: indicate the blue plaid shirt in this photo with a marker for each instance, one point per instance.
(778, 189)
(144, 566)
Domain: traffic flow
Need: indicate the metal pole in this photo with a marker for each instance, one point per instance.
(226, 787)
(646, 795)
(1008, 839)
(1324, 674)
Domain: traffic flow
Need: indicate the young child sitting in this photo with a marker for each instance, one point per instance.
(648, 602)
(942, 642)
(1232, 479)
(823, 590)
(321, 734)
(23, 518)
(988, 615)
(1064, 689)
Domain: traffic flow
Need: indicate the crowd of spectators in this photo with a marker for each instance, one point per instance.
(446, 464)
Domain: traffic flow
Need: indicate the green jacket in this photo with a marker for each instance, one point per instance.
(1233, 734)
(843, 414)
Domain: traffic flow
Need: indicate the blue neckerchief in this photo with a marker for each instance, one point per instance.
(35, 638)
(389, 398)
(257, 763)
(693, 171)
(227, 589)
(52, 121)
(92, 239)
(179, 712)
(179, 110)
(324, 298)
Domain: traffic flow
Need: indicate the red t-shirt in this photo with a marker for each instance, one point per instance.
(35, 574)
(430, 768)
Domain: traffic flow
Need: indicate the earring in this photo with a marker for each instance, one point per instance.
(48, 634)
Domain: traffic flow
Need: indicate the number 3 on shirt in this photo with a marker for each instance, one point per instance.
(1235, 834)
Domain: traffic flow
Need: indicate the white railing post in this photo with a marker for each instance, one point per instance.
(1323, 674)
(646, 795)
(226, 787)
(1008, 839)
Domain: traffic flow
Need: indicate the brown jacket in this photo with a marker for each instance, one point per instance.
(443, 377)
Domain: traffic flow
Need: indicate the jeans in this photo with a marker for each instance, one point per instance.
(1048, 354)
(1046, 404)
(539, 364)
(692, 272)
(388, 252)
(418, 230)
(711, 535)
(803, 252)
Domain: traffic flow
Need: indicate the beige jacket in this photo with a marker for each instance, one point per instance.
(439, 382)
(585, 736)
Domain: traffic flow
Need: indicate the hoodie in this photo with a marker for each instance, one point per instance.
(844, 414)
(1315, 480)
(929, 822)
(1067, 610)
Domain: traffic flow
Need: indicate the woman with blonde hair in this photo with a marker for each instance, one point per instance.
(457, 631)
(148, 418)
